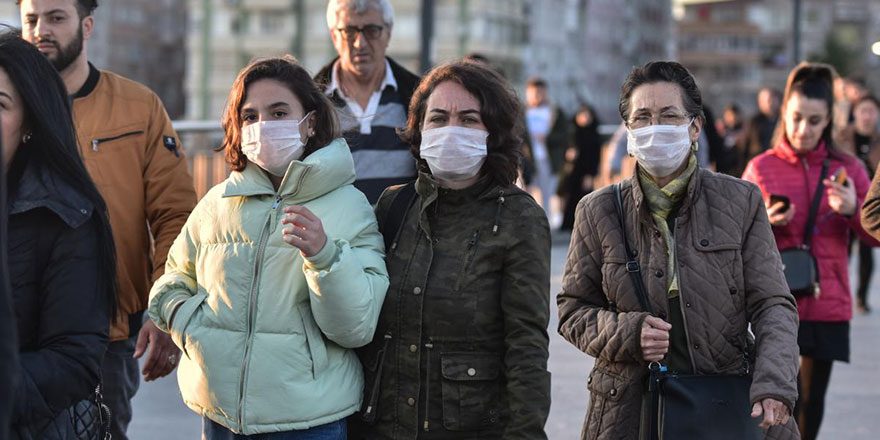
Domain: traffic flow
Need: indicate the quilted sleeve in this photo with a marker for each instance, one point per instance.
(771, 309)
(585, 319)
(862, 183)
(871, 208)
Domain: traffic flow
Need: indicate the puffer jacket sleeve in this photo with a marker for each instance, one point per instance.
(871, 209)
(178, 286)
(861, 182)
(525, 303)
(770, 307)
(348, 279)
(73, 330)
(585, 319)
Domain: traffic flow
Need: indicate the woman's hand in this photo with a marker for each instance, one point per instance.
(841, 198)
(777, 216)
(773, 411)
(655, 338)
(305, 231)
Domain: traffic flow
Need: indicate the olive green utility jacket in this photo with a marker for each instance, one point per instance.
(460, 351)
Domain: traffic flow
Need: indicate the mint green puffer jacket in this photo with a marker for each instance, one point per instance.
(266, 335)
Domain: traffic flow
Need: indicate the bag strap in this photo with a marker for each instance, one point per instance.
(814, 208)
(393, 219)
(632, 266)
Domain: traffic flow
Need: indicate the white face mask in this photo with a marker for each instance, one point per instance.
(659, 149)
(273, 145)
(454, 153)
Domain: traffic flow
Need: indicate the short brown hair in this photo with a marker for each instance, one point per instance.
(83, 7)
(288, 71)
(500, 110)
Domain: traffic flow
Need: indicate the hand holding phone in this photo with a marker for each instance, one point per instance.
(839, 176)
(776, 198)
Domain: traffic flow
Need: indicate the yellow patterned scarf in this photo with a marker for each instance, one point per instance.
(662, 202)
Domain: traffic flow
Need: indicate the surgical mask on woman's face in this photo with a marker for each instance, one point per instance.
(273, 145)
(660, 149)
(454, 153)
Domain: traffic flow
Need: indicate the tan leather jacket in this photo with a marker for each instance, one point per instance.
(134, 156)
(730, 275)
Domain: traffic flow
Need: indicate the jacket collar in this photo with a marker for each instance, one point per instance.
(689, 199)
(784, 151)
(320, 173)
(40, 188)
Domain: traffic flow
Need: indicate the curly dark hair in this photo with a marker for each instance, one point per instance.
(287, 71)
(500, 110)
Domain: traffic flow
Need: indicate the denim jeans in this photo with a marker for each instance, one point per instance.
(331, 431)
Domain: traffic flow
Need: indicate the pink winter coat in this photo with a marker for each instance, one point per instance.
(782, 171)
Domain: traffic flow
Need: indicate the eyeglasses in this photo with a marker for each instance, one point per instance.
(370, 31)
(644, 120)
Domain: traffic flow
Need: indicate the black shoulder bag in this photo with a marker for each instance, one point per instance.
(798, 263)
(390, 224)
(690, 406)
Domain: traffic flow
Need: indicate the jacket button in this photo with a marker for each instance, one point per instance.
(471, 372)
(417, 290)
(733, 290)
(613, 392)
(656, 233)
(635, 252)
(687, 304)
(704, 242)
(658, 273)
(413, 348)
(589, 380)
(493, 420)
(696, 346)
(411, 401)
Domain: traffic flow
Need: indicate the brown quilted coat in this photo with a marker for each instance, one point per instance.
(730, 275)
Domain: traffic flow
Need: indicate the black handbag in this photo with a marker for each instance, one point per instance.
(90, 417)
(690, 407)
(798, 263)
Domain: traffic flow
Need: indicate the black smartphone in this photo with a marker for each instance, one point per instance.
(775, 198)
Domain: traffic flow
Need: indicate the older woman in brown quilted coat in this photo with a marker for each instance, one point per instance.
(708, 261)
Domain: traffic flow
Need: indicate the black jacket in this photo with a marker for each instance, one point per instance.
(8, 341)
(63, 318)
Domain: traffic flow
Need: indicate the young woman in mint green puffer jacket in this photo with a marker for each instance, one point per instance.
(279, 271)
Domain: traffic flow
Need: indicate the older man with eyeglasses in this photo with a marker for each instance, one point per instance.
(370, 91)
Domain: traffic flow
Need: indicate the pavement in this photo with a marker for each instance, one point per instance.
(852, 406)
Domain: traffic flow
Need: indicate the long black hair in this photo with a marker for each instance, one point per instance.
(53, 144)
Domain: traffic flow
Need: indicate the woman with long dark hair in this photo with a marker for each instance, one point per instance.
(789, 175)
(61, 254)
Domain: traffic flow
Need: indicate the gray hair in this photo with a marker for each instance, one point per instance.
(359, 7)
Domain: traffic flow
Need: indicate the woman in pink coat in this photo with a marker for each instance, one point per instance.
(792, 169)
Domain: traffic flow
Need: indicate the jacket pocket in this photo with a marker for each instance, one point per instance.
(604, 410)
(182, 317)
(105, 141)
(471, 390)
(314, 339)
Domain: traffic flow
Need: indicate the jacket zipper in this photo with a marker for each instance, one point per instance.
(681, 302)
(261, 248)
(469, 254)
(95, 142)
(429, 346)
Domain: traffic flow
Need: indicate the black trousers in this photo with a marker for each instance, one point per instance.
(866, 269)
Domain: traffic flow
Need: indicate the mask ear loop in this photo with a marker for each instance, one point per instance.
(304, 118)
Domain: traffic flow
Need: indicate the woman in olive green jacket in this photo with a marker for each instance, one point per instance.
(279, 271)
(461, 347)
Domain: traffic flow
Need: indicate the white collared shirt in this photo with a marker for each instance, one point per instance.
(363, 115)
